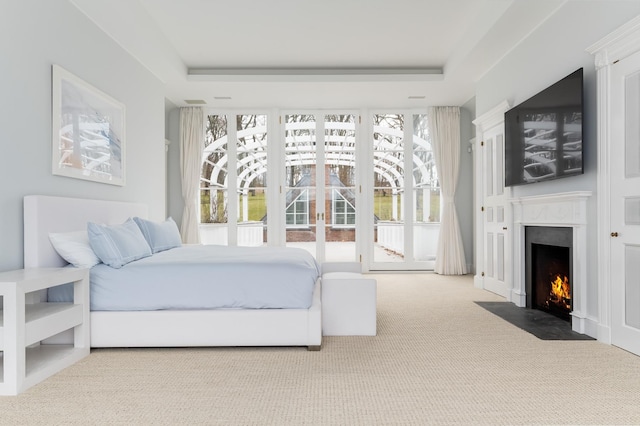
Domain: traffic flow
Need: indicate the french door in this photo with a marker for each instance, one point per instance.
(233, 180)
(320, 192)
(404, 223)
(625, 204)
(340, 195)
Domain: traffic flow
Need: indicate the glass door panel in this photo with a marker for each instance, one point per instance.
(233, 202)
(405, 193)
(251, 151)
(426, 194)
(388, 188)
(300, 184)
(340, 187)
(214, 191)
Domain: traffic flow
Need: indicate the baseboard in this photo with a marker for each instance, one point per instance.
(518, 298)
(603, 333)
(478, 281)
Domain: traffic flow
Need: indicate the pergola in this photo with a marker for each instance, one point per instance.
(300, 150)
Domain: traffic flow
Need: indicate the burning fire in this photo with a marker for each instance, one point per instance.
(561, 292)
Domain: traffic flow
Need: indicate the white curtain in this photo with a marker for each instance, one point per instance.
(191, 147)
(444, 126)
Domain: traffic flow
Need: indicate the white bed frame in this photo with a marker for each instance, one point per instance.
(221, 327)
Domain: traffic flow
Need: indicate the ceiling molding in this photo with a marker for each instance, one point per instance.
(315, 74)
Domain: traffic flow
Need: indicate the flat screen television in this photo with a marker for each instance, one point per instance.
(543, 135)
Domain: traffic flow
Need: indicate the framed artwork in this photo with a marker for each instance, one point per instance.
(88, 131)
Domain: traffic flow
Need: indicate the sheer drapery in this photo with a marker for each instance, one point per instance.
(444, 126)
(191, 147)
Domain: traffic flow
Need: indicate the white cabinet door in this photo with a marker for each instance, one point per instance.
(496, 214)
(625, 204)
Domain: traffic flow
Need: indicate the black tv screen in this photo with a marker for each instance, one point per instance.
(543, 135)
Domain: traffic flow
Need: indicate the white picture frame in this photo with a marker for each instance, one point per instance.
(88, 131)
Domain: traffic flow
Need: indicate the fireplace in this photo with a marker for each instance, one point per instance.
(548, 269)
(556, 211)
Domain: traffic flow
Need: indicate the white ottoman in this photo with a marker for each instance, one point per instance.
(348, 304)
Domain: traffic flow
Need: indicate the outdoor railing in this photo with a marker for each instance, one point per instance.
(425, 238)
(249, 233)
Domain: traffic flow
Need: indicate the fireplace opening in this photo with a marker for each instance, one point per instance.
(548, 259)
(551, 287)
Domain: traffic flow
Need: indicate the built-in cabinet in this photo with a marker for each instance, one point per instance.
(617, 60)
(493, 216)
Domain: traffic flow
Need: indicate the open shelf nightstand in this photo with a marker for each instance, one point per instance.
(26, 322)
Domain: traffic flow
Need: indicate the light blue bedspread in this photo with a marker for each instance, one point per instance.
(205, 277)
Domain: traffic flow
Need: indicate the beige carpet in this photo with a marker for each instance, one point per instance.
(438, 359)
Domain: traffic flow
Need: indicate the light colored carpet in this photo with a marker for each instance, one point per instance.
(438, 359)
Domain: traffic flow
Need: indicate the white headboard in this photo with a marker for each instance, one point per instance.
(45, 214)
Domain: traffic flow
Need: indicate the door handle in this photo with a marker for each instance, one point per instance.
(504, 228)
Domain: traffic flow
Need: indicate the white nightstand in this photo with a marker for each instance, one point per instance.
(25, 359)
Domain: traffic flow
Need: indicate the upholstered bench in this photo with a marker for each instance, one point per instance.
(348, 301)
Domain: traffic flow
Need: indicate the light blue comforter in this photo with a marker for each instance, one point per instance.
(206, 277)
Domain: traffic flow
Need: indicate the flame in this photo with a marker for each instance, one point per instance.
(561, 291)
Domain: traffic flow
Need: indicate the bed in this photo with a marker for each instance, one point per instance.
(162, 327)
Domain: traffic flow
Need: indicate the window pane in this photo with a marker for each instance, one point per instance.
(300, 160)
(426, 193)
(425, 176)
(251, 147)
(340, 185)
(388, 190)
(213, 179)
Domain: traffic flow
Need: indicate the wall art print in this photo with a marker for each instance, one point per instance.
(88, 131)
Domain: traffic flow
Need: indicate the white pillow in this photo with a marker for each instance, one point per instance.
(74, 247)
(117, 245)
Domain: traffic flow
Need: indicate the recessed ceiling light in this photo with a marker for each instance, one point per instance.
(195, 102)
(417, 97)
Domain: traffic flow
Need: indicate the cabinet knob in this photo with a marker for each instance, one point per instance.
(504, 228)
(614, 234)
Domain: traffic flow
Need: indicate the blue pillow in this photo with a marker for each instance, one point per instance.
(117, 245)
(160, 235)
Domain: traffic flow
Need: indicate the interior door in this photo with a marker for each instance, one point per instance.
(625, 204)
(495, 213)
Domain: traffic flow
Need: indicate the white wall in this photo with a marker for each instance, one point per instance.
(553, 51)
(33, 36)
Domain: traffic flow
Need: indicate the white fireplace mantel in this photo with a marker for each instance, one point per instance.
(568, 209)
